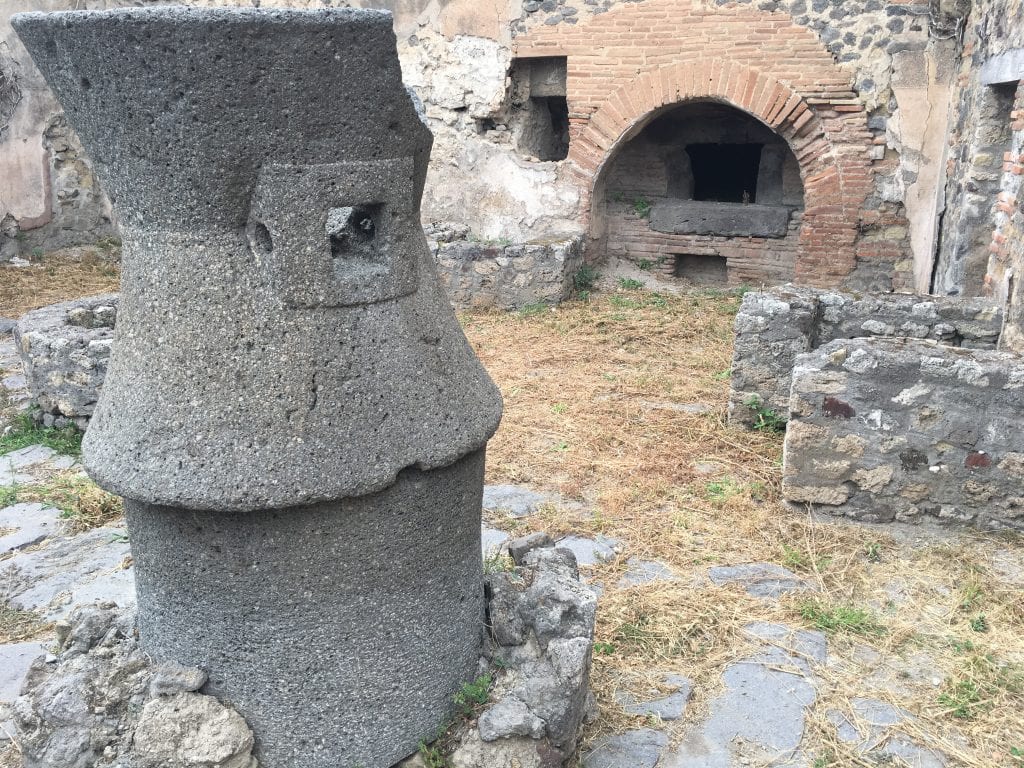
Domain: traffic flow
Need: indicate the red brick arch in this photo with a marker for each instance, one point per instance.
(834, 170)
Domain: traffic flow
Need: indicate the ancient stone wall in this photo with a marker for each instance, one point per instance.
(773, 327)
(504, 275)
(49, 196)
(907, 429)
(860, 90)
(65, 349)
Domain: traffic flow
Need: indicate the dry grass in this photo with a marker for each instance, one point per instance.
(59, 276)
(83, 504)
(592, 394)
(17, 625)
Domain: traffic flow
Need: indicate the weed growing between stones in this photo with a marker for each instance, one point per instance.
(24, 431)
(468, 701)
(840, 618)
(765, 418)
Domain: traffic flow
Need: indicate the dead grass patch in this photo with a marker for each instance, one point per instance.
(83, 504)
(17, 625)
(593, 411)
(71, 273)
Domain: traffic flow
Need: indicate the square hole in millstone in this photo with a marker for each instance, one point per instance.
(353, 232)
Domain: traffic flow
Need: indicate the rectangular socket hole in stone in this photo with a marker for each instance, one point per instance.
(701, 269)
(353, 232)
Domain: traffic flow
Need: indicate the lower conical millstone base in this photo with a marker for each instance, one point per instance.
(339, 631)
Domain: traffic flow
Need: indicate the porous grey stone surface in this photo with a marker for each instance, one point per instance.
(699, 217)
(774, 326)
(27, 524)
(94, 706)
(1005, 67)
(15, 661)
(65, 350)
(504, 275)
(759, 718)
(765, 580)
(664, 707)
(16, 466)
(513, 500)
(640, 748)
(519, 548)
(875, 730)
(643, 572)
(493, 540)
(70, 571)
(350, 330)
(541, 619)
(886, 429)
(600, 549)
(391, 611)
(272, 244)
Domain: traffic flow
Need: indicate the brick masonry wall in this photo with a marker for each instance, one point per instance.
(628, 63)
(752, 261)
(774, 326)
(888, 429)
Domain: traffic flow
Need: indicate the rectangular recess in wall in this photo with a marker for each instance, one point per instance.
(701, 268)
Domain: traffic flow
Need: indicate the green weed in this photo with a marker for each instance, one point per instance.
(962, 699)
(979, 623)
(765, 418)
(799, 560)
(473, 695)
(531, 310)
(840, 619)
(642, 207)
(25, 432)
(584, 279)
(723, 489)
(604, 649)
(629, 284)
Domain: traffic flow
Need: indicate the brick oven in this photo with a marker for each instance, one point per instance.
(707, 193)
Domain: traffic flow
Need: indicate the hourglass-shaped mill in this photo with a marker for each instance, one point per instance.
(292, 412)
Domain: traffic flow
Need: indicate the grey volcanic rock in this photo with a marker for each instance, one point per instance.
(331, 359)
(542, 628)
(391, 613)
(64, 350)
(94, 706)
(291, 410)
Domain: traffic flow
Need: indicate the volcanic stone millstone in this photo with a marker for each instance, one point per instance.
(258, 364)
(292, 412)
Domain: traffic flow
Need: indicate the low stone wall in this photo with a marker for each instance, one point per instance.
(505, 276)
(776, 325)
(64, 349)
(907, 429)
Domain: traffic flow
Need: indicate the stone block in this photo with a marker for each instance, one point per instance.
(65, 349)
(774, 326)
(919, 430)
(701, 217)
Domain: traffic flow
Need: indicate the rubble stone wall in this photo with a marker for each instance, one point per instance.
(907, 429)
(65, 349)
(773, 327)
(504, 275)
